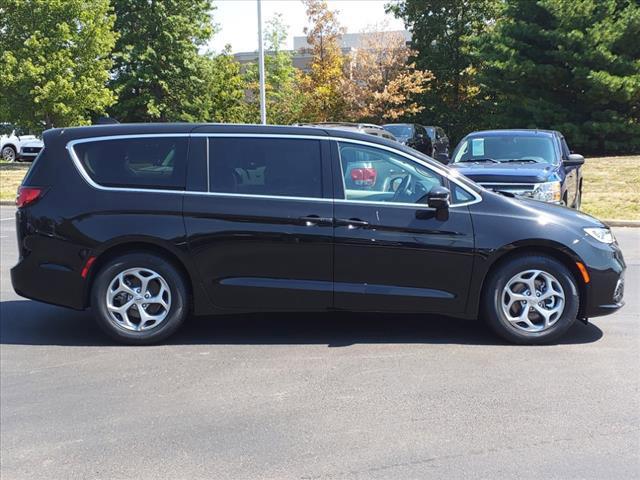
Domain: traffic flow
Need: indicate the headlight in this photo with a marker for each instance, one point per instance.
(548, 192)
(603, 235)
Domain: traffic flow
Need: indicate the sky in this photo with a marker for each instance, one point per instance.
(238, 19)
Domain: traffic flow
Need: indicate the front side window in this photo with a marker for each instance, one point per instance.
(373, 174)
(265, 166)
(146, 162)
(506, 149)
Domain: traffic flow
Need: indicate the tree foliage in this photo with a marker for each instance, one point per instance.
(223, 92)
(55, 61)
(441, 34)
(382, 83)
(572, 66)
(158, 73)
(284, 96)
(322, 84)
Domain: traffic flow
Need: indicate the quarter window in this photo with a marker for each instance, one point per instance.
(148, 162)
(372, 174)
(265, 166)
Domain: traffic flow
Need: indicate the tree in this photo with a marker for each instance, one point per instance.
(322, 84)
(284, 97)
(441, 33)
(571, 66)
(383, 84)
(55, 61)
(224, 89)
(158, 72)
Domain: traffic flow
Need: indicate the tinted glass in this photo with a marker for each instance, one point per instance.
(400, 131)
(506, 148)
(431, 132)
(149, 162)
(265, 166)
(372, 174)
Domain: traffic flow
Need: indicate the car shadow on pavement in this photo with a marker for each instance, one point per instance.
(32, 323)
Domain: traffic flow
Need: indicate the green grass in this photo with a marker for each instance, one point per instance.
(611, 186)
(11, 175)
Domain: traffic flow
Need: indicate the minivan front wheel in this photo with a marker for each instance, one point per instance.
(533, 299)
(139, 298)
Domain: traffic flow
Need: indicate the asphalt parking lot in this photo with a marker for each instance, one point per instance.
(330, 396)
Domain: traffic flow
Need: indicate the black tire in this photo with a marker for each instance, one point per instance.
(492, 310)
(578, 202)
(178, 306)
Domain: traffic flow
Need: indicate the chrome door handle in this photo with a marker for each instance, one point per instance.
(311, 220)
(352, 222)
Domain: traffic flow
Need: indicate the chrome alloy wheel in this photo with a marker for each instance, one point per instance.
(533, 300)
(138, 299)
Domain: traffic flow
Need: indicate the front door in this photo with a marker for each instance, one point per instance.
(392, 253)
(261, 233)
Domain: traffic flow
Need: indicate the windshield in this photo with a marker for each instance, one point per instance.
(399, 131)
(506, 148)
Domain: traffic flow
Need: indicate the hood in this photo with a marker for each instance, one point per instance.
(36, 142)
(505, 172)
(549, 212)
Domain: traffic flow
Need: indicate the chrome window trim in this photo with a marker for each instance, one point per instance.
(509, 183)
(208, 174)
(83, 173)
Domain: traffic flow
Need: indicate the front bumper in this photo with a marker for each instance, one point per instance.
(605, 291)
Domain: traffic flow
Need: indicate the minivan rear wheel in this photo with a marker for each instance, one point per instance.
(533, 299)
(139, 298)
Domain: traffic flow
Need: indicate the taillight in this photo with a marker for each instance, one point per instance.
(28, 195)
(365, 176)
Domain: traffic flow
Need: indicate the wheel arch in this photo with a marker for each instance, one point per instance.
(552, 249)
(15, 149)
(127, 246)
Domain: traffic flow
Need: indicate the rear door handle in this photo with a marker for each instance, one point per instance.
(311, 220)
(351, 223)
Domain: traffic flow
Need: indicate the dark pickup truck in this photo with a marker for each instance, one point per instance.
(529, 163)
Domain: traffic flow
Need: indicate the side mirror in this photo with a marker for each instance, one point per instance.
(442, 158)
(438, 198)
(574, 160)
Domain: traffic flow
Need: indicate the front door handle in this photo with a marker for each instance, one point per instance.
(351, 223)
(311, 220)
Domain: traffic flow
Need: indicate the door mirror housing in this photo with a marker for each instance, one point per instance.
(438, 198)
(574, 160)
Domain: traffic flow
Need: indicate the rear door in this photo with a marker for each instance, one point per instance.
(261, 232)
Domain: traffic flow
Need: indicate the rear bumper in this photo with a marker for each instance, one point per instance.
(55, 283)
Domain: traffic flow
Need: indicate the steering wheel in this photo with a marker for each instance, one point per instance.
(405, 188)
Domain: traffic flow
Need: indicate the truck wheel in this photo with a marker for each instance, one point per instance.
(9, 153)
(139, 298)
(532, 299)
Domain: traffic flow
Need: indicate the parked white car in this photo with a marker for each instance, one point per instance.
(30, 150)
(12, 141)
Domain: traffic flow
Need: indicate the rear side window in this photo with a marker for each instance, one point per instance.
(148, 162)
(265, 166)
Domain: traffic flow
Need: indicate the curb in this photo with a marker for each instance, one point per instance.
(622, 223)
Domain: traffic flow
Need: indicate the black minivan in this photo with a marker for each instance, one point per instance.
(148, 223)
